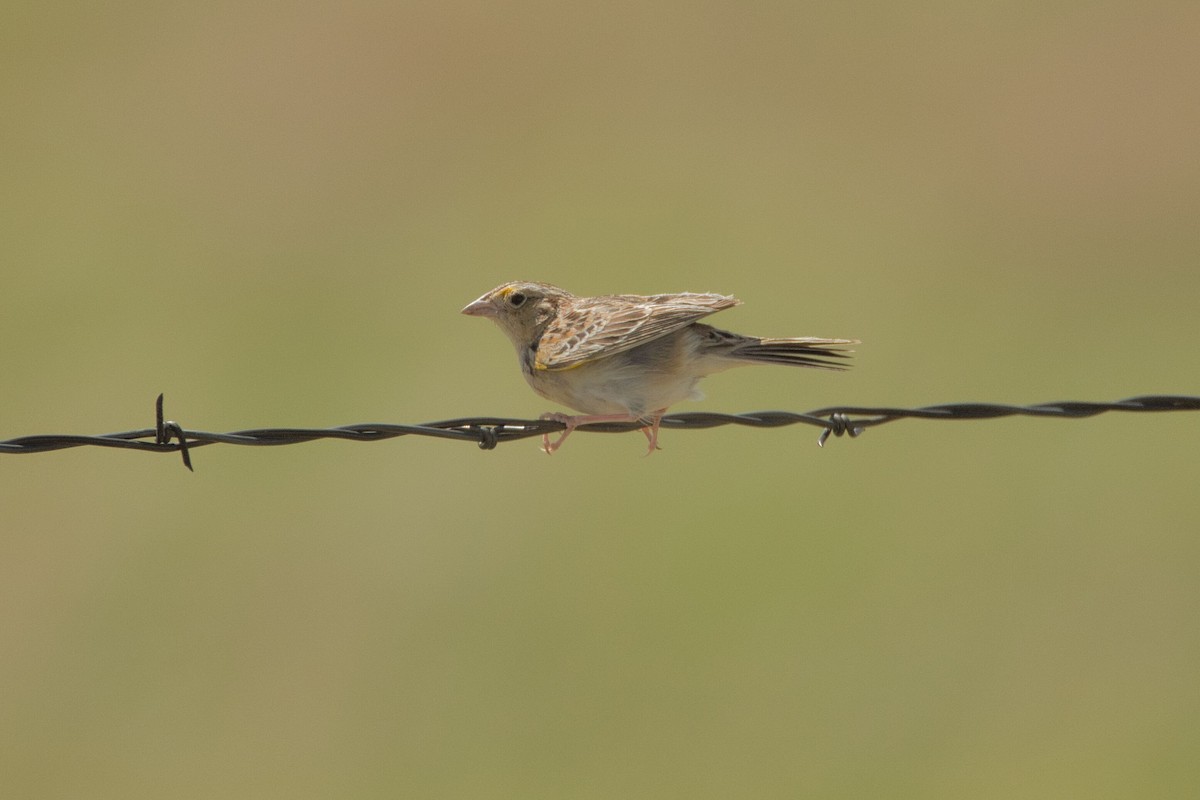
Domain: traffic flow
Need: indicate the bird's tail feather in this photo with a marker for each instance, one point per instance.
(806, 351)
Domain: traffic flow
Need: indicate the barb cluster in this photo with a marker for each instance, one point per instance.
(169, 437)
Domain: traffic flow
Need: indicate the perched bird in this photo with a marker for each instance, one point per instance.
(627, 358)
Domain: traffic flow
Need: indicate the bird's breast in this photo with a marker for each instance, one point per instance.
(638, 381)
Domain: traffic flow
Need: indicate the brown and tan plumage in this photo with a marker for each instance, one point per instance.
(630, 357)
(594, 327)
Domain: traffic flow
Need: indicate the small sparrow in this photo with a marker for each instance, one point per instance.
(627, 358)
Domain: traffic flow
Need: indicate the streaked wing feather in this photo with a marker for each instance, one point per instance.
(597, 327)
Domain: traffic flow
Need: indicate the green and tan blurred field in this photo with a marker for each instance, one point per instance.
(273, 212)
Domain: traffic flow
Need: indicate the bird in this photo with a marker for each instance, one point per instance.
(626, 357)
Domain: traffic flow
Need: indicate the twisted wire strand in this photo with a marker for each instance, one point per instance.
(168, 436)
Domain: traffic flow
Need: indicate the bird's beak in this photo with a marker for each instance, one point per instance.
(480, 308)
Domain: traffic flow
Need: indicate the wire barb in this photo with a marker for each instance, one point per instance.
(489, 436)
(489, 432)
(839, 425)
(163, 431)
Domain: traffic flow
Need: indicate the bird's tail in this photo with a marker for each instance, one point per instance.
(804, 351)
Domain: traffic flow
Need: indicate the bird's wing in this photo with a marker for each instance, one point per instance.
(597, 327)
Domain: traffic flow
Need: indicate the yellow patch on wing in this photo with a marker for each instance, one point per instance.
(539, 365)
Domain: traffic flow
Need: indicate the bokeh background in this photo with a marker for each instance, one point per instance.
(273, 212)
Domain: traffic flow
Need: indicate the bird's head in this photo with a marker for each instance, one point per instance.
(521, 309)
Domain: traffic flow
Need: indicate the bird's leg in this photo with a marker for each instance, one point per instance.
(651, 430)
(556, 416)
(572, 422)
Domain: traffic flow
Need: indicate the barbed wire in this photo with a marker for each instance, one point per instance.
(168, 436)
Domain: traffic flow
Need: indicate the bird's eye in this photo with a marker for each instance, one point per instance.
(516, 299)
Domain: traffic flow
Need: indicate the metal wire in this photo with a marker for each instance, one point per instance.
(487, 432)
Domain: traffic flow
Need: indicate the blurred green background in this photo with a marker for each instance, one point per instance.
(273, 212)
